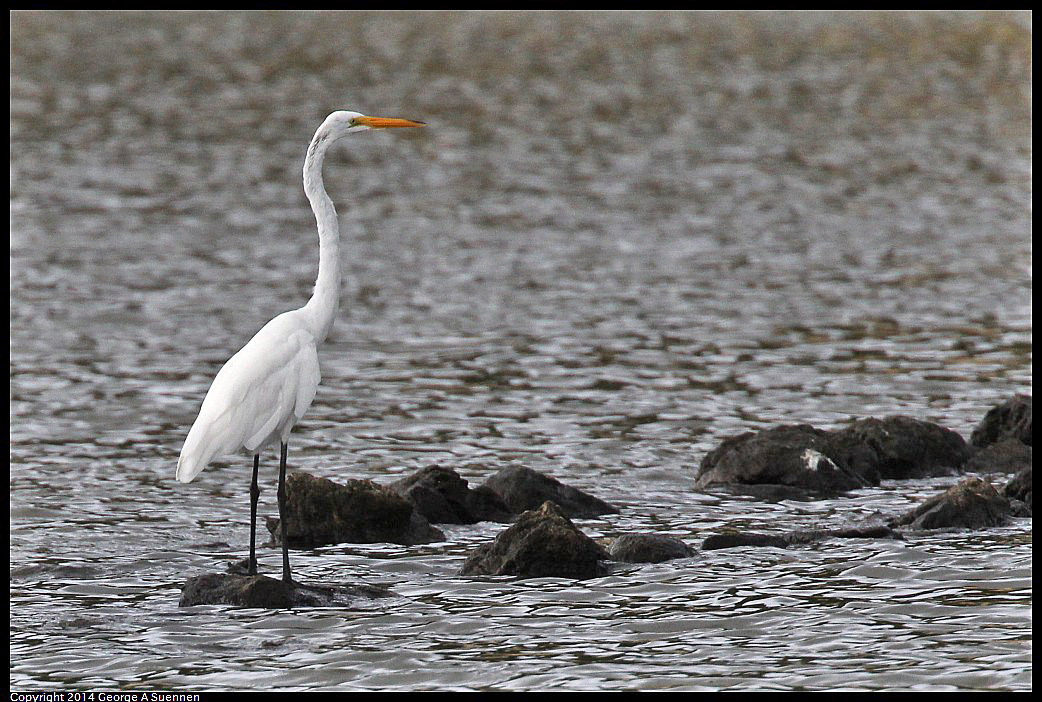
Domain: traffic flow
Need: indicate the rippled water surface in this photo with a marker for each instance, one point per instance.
(621, 239)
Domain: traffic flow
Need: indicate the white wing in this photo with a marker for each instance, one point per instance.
(259, 394)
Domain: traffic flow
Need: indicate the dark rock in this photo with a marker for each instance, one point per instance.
(970, 504)
(732, 540)
(541, 543)
(1019, 487)
(483, 501)
(1011, 419)
(319, 511)
(648, 548)
(799, 457)
(799, 537)
(871, 531)
(859, 457)
(522, 489)
(908, 448)
(268, 593)
(1004, 456)
(798, 461)
(443, 497)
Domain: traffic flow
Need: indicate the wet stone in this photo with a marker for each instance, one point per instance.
(1004, 456)
(869, 531)
(800, 459)
(1011, 419)
(319, 512)
(908, 448)
(1019, 487)
(799, 537)
(541, 543)
(443, 497)
(523, 489)
(733, 540)
(648, 548)
(264, 592)
(970, 504)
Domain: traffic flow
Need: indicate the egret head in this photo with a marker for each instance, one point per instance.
(342, 122)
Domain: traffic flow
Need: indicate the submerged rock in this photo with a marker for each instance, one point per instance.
(523, 489)
(970, 504)
(443, 497)
(268, 593)
(734, 539)
(867, 531)
(797, 458)
(648, 548)
(798, 537)
(1010, 420)
(541, 543)
(319, 512)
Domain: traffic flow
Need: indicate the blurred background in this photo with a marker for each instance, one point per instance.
(622, 238)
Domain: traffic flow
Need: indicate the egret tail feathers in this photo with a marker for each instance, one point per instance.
(206, 441)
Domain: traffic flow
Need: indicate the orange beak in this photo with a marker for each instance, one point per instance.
(387, 122)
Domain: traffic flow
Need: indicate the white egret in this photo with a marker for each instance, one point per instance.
(265, 388)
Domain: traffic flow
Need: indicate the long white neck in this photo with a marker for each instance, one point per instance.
(321, 309)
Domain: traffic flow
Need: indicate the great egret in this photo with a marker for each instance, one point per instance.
(265, 388)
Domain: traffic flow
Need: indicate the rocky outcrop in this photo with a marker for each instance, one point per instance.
(443, 497)
(648, 548)
(797, 457)
(798, 461)
(1019, 487)
(866, 531)
(1004, 440)
(541, 543)
(523, 489)
(906, 448)
(797, 538)
(1010, 420)
(970, 504)
(319, 511)
(734, 539)
(268, 593)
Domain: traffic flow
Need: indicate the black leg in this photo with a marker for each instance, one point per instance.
(286, 576)
(254, 494)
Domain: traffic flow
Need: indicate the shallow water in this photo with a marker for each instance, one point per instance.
(622, 238)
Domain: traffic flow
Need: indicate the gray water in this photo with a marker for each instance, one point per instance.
(622, 238)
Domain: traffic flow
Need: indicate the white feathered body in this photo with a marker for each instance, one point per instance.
(258, 396)
(265, 389)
